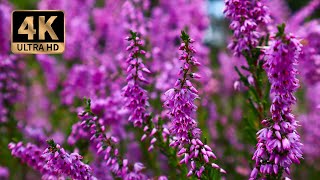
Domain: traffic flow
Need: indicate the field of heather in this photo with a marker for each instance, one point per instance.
(160, 90)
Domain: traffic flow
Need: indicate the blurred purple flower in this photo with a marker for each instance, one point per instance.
(167, 20)
(298, 18)
(4, 173)
(50, 69)
(279, 11)
(106, 147)
(79, 41)
(5, 11)
(10, 84)
(310, 58)
(246, 16)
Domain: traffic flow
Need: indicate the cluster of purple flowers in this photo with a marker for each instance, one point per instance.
(4, 173)
(53, 162)
(10, 85)
(246, 16)
(69, 165)
(279, 143)
(133, 13)
(181, 107)
(105, 146)
(32, 156)
(136, 96)
(166, 23)
(180, 100)
(78, 27)
(5, 10)
(310, 58)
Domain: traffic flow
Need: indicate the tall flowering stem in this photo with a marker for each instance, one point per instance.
(31, 155)
(69, 165)
(249, 19)
(136, 96)
(106, 146)
(137, 103)
(180, 104)
(278, 142)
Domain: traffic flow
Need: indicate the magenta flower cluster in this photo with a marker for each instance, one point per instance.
(181, 110)
(136, 96)
(279, 142)
(69, 165)
(246, 16)
(32, 156)
(9, 84)
(105, 147)
(53, 163)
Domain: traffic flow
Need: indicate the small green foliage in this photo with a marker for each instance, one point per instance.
(133, 34)
(281, 29)
(87, 103)
(185, 37)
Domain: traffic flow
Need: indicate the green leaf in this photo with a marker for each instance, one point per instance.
(281, 28)
(184, 36)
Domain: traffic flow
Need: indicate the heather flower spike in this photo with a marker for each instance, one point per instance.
(279, 142)
(136, 96)
(180, 104)
(31, 155)
(69, 165)
(106, 146)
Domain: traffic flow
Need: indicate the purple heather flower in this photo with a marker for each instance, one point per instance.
(31, 155)
(133, 15)
(4, 173)
(279, 143)
(311, 137)
(181, 107)
(111, 111)
(50, 69)
(111, 114)
(38, 111)
(35, 133)
(79, 41)
(5, 11)
(77, 133)
(167, 20)
(69, 165)
(162, 178)
(105, 145)
(100, 169)
(309, 64)
(84, 81)
(180, 100)
(226, 70)
(136, 96)
(298, 18)
(279, 10)
(246, 16)
(310, 126)
(10, 87)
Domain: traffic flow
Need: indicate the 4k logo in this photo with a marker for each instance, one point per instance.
(37, 32)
